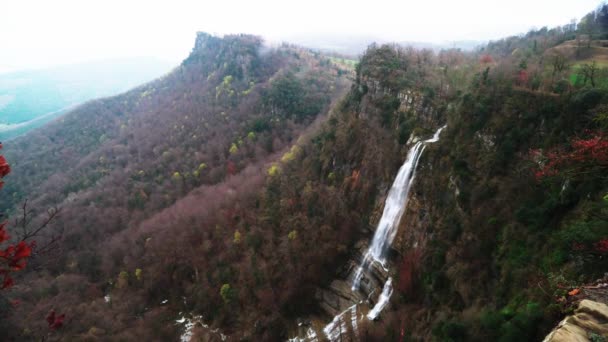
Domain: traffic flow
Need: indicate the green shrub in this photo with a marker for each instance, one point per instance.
(450, 331)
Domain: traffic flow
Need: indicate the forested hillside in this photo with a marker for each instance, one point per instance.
(506, 226)
(113, 163)
(233, 198)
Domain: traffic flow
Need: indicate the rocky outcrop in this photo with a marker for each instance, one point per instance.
(588, 323)
(338, 296)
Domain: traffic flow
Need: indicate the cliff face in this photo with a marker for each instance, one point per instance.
(588, 323)
(493, 238)
(395, 111)
(490, 241)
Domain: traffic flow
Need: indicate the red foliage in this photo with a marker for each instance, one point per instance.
(582, 154)
(5, 169)
(601, 246)
(55, 321)
(408, 269)
(594, 149)
(14, 257)
(486, 59)
(523, 77)
(3, 234)
(230, 168)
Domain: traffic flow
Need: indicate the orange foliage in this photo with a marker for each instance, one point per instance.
(574, 292)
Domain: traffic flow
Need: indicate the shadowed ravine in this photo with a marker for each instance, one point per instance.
(371, 286)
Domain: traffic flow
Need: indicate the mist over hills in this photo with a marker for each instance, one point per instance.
(28, 99)
(355, 45)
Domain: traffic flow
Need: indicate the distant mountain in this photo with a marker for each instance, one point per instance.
(356, 45)
(28, 99)
(465, 45)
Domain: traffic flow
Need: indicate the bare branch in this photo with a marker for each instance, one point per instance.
(51, 214)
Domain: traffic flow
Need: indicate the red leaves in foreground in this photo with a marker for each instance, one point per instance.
(5, 169)
(55, 321)
(14, 257)
(581, 155)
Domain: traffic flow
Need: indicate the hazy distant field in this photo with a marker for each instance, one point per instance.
(28, 99)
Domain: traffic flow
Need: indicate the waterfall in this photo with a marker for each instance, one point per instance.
(395, 205)
(387, 291)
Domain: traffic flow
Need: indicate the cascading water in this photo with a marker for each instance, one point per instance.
(395, 206)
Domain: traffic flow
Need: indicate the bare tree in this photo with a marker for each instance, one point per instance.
(45, 243)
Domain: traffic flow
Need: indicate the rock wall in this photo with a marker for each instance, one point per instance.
(588, 323)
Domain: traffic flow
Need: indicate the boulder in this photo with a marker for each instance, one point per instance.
(589, 319)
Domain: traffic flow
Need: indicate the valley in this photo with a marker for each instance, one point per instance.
(275, 192)
(29, 99)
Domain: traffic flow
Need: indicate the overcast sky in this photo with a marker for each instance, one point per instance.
(42, 33)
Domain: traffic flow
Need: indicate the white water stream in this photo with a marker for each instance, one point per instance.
(394, 207)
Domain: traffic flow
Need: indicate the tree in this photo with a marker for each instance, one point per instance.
(582, 156)
(486, 59)
(15, 255)
(559, 64)
(227, 293)
(589, 73)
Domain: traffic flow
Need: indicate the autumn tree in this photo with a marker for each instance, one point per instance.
(582, 156)
(13, 256)
(16, 252)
